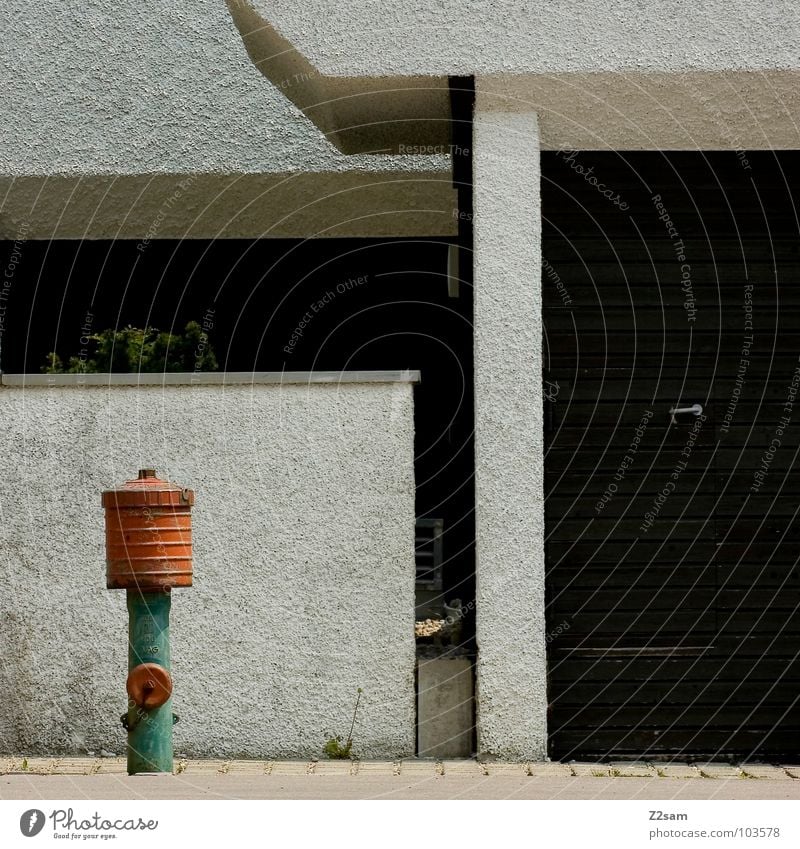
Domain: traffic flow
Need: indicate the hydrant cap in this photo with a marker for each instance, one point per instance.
(148, 534)
(148, 482)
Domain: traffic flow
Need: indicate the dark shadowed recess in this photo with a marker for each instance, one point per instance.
(274, 305)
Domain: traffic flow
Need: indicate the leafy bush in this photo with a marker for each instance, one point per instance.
(131, 349)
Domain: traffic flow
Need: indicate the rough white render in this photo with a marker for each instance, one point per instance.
(304, 565)
(509, 510)
(156, 87)
(408, 37)
(123, 103)
(600, 75)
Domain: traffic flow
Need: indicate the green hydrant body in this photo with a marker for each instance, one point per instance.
(149, 730)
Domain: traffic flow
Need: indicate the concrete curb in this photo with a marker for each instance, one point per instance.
(19, 765)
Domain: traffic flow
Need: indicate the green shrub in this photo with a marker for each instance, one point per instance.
(131, 349)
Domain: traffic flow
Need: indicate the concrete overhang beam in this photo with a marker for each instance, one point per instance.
(389, 115)
(591, 101)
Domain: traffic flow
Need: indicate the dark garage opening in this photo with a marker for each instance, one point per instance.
(672, 539)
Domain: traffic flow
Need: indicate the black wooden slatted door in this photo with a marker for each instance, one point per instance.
(672, 540)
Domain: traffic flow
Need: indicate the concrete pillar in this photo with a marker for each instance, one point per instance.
(444, 707)
(509, 498)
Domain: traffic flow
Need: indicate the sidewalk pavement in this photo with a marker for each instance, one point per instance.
(106, 778)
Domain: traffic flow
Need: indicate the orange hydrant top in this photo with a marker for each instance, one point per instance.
(148, 534)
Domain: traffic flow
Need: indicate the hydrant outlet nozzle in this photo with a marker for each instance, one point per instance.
(149, 685)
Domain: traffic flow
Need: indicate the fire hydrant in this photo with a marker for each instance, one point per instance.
(148, 552)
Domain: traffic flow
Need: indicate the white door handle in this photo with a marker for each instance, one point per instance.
(695, 410)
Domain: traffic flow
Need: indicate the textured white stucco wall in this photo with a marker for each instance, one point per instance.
(509, 466)
(154, 87)
(164, 91)
(600, 75)
(304, 565)
(371, 38)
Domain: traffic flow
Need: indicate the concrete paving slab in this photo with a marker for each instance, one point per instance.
(420, 769)
(411, 768)
(633, 769)
(35, 766)
(204, 767)
(766, 771)
(468, 768)
(249, 767)
(376, 768)
(221, 786)
(113, 766)
(586, 770)
(517, 768)
(339, 768)
(290, 768)
(76, 766)
(549, 770)
(724, 772)
(677, 770)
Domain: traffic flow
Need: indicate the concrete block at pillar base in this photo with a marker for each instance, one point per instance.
(445, 708)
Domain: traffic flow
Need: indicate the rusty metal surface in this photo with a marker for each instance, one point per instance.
(149, 685)
(148, 534)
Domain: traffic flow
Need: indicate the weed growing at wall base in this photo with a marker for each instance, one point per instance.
(334, 748)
